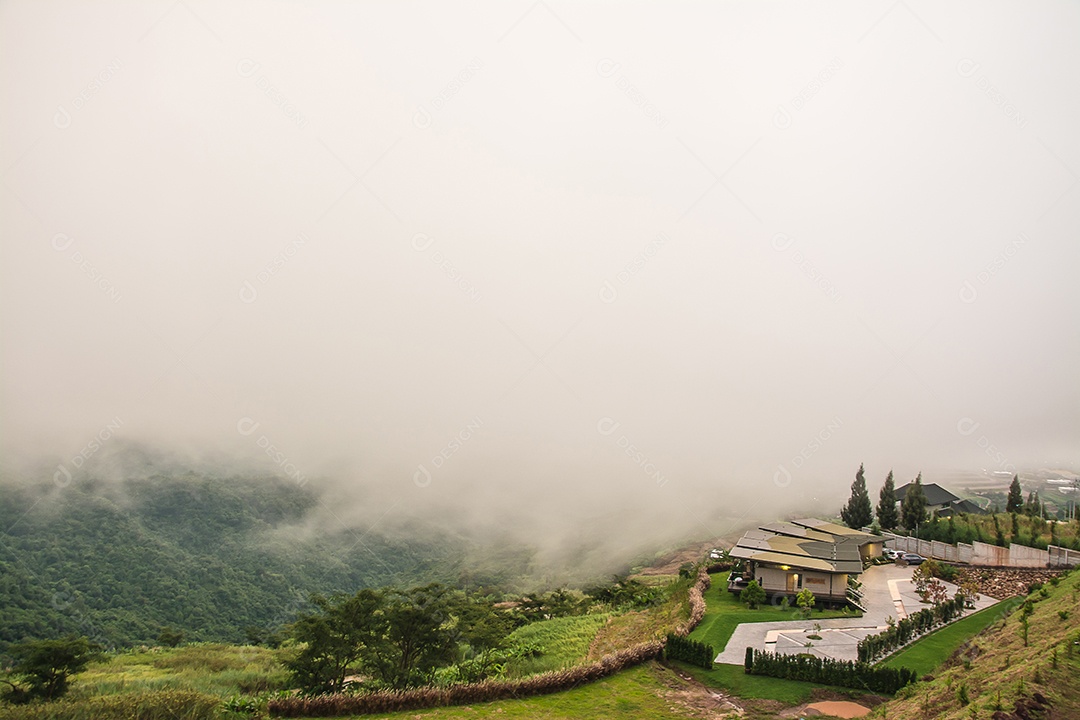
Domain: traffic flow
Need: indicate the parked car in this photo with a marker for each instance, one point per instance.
(892, 554)
(913, 558)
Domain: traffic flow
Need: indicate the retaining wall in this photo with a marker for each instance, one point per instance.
(979, 553)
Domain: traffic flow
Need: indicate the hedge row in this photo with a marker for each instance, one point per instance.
(385, 701)
(872, 647)
(691, 651)
(843, 673)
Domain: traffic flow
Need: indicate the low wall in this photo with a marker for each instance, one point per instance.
(979, 553)
(1063, 557)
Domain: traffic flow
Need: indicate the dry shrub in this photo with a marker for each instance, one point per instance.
(697, 604)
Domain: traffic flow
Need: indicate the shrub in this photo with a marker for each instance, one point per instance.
(844, 673)
(805, 600)
(690, 651)
(753, 595)
(944, 571)
(873, 646)
(160, 705)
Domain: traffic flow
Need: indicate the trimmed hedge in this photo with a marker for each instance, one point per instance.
(691, 651)
(385, 701)
(872, 647)
(843, 673)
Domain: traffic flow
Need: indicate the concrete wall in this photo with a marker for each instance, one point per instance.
(978, 553)
(772, 579)
(825, 584)
(775, 580)
(1024, 556)
(1061, 557)
(984, 554)
(871, 550)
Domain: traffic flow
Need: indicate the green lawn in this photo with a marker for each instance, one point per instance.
(629, 695)
(725, 613)
(927, 653)
(733, 679)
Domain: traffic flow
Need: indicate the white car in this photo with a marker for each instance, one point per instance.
(892, 554)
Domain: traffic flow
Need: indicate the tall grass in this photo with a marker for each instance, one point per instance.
(213, 669)
(162, 705)
(564, 642)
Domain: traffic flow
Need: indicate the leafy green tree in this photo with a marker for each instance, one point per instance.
(886, 509)
(418, 639)
(753, 595)
(341, 631)
(557, 603)
(1015, 502)
(858, 512)
(913, 506)
(484, 630)
(805, 600)
(169, 637)
(999, 534)
(624, 592)
(44, 666)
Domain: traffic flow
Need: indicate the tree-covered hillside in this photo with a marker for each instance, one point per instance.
(207, 556)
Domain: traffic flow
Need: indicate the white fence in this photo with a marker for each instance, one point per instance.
(978, 553)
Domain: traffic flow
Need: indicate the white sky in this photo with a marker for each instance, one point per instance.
(859, 215)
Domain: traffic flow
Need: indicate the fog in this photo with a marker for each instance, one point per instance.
(565, 269)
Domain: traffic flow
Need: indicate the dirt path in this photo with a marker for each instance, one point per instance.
(669, 564)
(709, 703)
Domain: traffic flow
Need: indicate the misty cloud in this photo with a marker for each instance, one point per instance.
(572, 270)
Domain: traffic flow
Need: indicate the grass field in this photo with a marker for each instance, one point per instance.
(639, 692)
(927, 653)
(725, 613)
(640, 626)
(216, 669)
(732, 679)
(565, 642)
(1008, 664)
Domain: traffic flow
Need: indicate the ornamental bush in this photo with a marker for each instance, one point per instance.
(691, 651)
(874, 646)
(843, 673)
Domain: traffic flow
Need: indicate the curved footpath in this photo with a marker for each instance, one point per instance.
(887, 590)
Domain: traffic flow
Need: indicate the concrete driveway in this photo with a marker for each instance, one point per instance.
(887, 591)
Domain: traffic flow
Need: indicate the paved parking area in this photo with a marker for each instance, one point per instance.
(887, 590)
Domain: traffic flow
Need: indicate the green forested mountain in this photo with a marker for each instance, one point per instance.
(208, 556)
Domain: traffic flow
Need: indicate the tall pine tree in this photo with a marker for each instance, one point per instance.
(1015, 503)
(858, 512)
(913, 506)
(886, 508)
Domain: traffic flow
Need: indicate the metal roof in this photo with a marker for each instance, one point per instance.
(935, 494)
(808, 544)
